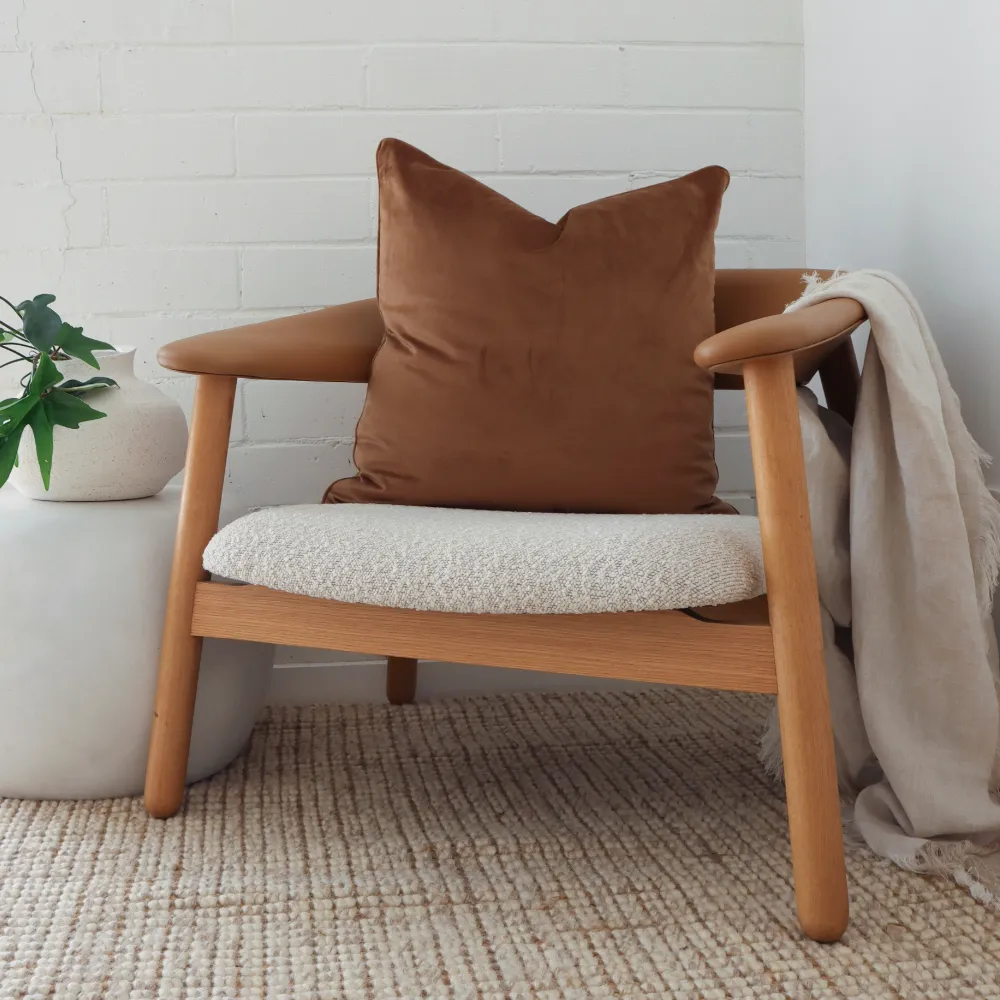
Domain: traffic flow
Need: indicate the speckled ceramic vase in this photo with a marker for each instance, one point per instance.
(131, 452)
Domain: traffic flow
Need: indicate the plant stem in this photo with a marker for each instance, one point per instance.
(14, 361)
(13, 308)
(23, 357)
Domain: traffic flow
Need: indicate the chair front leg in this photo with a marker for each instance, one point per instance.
(793, 600)
(180, 652)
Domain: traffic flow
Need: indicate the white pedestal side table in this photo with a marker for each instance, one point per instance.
(81, 609)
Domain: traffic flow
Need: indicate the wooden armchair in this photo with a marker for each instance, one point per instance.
(766, 645)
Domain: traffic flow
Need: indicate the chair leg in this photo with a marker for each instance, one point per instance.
(400, 680)
(180, 651)
(803, 703)
(812, 796)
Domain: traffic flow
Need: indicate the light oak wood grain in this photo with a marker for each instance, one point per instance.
(666, 647)
(180, 652)
(793, 602)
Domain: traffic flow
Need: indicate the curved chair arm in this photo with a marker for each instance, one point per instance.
(808, 335)
(336, 344)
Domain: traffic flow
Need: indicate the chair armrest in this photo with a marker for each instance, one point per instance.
(330, 345)
(808, 335)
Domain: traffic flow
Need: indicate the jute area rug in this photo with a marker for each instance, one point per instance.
(560, 846)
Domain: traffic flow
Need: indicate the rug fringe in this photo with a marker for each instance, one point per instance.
(958, 861)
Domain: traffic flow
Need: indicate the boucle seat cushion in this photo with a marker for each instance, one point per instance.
(493, 562)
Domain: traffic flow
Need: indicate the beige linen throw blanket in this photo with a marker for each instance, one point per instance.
(907, 541)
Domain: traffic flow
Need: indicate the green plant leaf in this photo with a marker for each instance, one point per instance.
(6, 338)
(9, 444)
(39, 300)
(66, 410)
(97, 382)
(71, 341)
(41, 428)
(41, 325)
(44, 376)
(14, 412)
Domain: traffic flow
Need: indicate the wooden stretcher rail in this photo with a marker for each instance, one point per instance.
(665, 647)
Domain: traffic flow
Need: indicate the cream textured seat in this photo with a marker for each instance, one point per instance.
(493, 562)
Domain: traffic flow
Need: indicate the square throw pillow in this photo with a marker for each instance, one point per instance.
(528, 365)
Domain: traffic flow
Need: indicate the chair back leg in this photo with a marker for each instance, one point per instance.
(793, 598)
(180, 651)
(400, 680)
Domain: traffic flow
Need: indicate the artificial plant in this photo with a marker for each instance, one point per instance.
(40, 339)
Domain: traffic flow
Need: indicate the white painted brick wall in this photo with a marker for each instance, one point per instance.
(107, 147)
(174, 166)
(240, 212)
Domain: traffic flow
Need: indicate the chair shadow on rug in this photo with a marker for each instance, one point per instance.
(771, 644)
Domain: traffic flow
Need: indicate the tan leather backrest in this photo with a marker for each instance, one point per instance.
(745, 294)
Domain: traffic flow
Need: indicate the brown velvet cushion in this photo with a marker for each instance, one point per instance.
(536, 366)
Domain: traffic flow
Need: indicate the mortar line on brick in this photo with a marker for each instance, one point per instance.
(256, 444)
(366, 77)
(624, 76)
(244, 419)
(481, 111)
(101, 53)
(726, 239)
(519, 174)
(349, 44)
(105, 218)
(296, 110)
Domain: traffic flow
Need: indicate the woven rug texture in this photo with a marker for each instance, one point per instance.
(547, 846)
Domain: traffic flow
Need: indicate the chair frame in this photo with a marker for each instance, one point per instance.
(772, 645)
